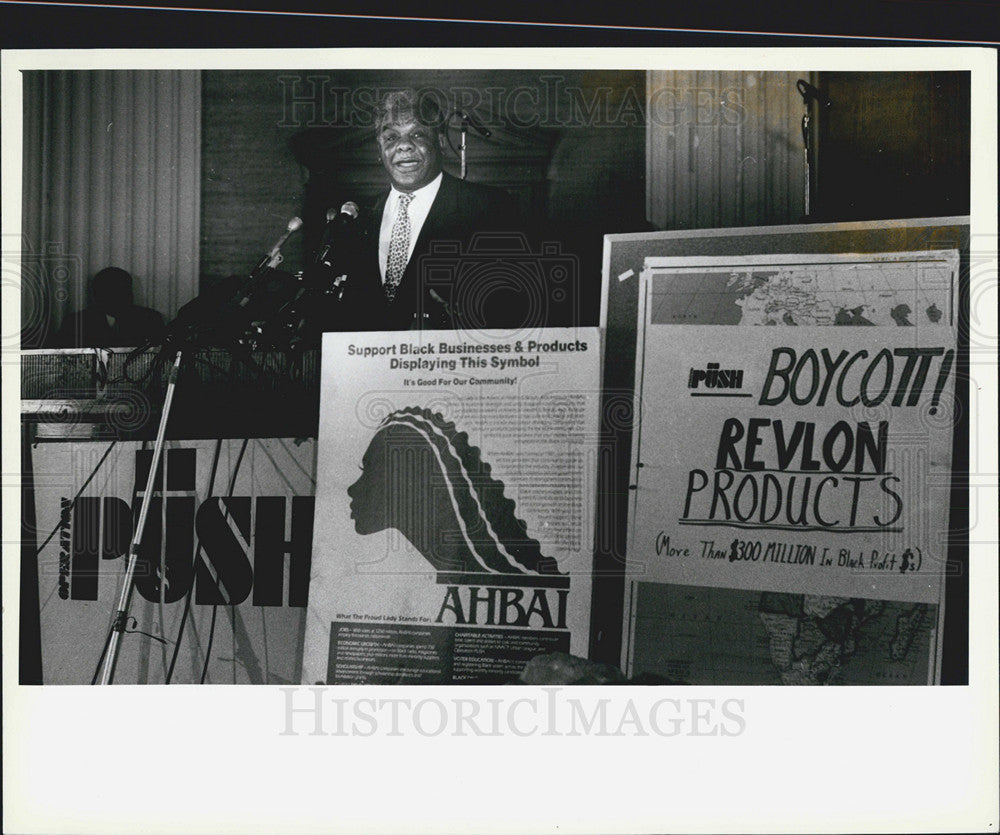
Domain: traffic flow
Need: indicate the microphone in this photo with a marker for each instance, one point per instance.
(321, 286)
(293, 226)
(810, 93)
(348, 212)
(273, 258)
(269, 261)
(439, 316)
(335, 220)
(478, 126)
(224, 309)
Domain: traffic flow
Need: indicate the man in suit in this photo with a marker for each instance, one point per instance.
(112, 319)
(411, 264)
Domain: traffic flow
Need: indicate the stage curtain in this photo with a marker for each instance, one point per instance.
(112, 173)
(724, 149)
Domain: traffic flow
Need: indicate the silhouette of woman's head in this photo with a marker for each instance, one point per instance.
(423, 478)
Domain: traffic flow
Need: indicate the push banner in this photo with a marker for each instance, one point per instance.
(455, 504)
(792, 469)
(222, 579)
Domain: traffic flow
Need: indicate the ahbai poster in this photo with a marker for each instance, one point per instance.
(454, 507)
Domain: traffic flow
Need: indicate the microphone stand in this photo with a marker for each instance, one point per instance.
(464, 131)
(809, 95)
(120, 622)
(482, 130)
(124, 601)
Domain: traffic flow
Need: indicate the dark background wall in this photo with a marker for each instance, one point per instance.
(251, 184)
(893, 144)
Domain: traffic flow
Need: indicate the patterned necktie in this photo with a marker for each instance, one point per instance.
(399, 248)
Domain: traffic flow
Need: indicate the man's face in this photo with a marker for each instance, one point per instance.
(410, 152)
(114, 297)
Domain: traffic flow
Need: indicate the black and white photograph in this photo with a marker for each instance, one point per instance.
(624, 414)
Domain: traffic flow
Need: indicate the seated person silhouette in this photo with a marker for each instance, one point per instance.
(112, 319)
(423, 478)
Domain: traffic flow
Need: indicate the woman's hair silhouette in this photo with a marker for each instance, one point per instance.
(423, 478)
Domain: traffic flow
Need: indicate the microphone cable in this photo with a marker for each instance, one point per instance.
(215, 606)
(194, 564)
(79, 493)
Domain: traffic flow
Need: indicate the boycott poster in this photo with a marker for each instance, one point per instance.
(792, 469)
(222, 578)
(455, 502)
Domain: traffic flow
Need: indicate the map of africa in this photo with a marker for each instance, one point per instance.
(702, 635)
(812, 294)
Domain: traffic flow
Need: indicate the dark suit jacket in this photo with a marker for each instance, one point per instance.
(468, 225)
(88, 328)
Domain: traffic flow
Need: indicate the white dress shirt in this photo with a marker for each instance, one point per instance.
(419, 208)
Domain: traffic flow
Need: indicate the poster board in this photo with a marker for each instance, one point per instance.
(230, 531)
(624, 259)
(791, 469)
(462, 547)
